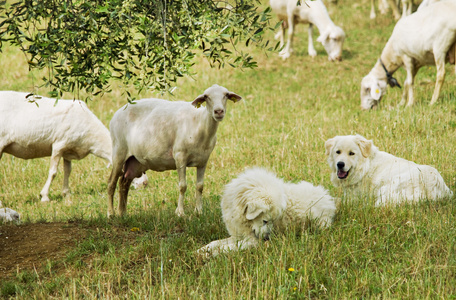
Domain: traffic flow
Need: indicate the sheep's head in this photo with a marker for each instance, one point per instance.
(333, 39)
(215, 98)
(372, 90)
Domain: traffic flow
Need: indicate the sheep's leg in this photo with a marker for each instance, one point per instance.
(395, 9)
(310, 48)
(112, 184)
(181, 170)
(440, 64)
(55, 158)
(199, 189)
(383, 6)
(124, 187)
(372, 12)
(407, 94)
(286, 52)
(66, 176)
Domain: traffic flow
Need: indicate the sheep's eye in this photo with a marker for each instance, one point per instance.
(265, 222)
(351, 153)
(338, 152)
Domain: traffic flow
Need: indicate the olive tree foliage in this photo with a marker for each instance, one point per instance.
(148, 44)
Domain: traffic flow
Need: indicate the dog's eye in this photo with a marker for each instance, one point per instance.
(351, 153)
(338, 151)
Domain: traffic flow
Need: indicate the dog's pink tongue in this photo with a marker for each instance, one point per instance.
(341, 174)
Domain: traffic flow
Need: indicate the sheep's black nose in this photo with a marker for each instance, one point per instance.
(340, 165)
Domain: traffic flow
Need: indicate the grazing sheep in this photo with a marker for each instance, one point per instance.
(35, 127)
(313, 13)
(427, 37)
(9, 215)
(257, 201)
(160, 135)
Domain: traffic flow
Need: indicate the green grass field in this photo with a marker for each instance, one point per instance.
(290, 109)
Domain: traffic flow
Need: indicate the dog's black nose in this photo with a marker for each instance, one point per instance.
(340, 165)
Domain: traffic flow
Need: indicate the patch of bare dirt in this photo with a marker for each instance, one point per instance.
(29, 246)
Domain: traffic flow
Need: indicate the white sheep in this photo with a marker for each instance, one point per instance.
(160, 135)
(9, 215)
(313, 13)
(35, 127)
(427, 37)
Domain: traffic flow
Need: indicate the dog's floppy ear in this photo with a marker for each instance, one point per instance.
(364, 145)
(329, 144)
(252, 211)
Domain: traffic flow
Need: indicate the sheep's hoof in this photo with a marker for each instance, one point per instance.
(179, 212)
(284, 55)
(45, 199)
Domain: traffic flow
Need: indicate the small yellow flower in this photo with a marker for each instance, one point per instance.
(295, 288)
(134, 229)
(291, 269)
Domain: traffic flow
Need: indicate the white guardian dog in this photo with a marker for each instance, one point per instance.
(359, 167)
(257, 201)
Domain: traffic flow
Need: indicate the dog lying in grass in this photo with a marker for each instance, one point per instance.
(257, 201)
(359, 167)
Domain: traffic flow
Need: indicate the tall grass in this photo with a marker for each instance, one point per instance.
(290, 108)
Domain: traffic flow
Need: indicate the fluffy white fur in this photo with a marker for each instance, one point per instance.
(257, 201)
(9, 215)
(360, 168)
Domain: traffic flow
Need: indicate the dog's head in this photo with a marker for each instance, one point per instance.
(261, 216)
(348, 158)
(252, 202)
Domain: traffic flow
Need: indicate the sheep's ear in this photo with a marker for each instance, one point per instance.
(364, 145)
(233, 97)
(375, 92)
(329, 144)
(199, 101)
(323, 37)
(252, 211)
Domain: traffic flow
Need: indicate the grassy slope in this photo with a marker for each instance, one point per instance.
(290, 109)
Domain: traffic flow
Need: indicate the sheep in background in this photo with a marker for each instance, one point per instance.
(35, 127)
(9, 215)
(427, 37)
(160, 135)
(407, 6)
(313, 13)
(383, 6)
